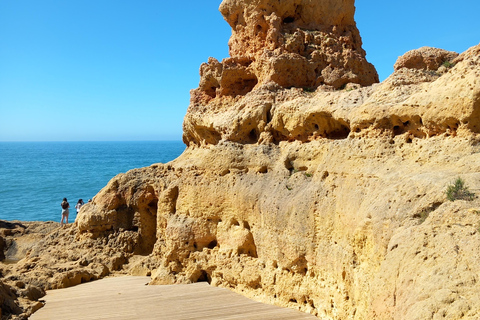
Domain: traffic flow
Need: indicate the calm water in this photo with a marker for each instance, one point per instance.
(36, 176)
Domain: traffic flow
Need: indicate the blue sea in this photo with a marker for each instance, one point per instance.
(36, 176)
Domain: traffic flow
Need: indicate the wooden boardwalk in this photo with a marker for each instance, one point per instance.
(130, 298)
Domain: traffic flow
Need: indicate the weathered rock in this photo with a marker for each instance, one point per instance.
(294, 43)
(20, 237)
(49, 257)
(425, 58)
(2, 248)
(410, 101)
(8, 304)
(33, 292)
(319, 206)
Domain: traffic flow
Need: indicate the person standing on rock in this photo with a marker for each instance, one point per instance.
(65, 205)
(79, 204)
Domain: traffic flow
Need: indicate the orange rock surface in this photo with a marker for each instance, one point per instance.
(294, 43)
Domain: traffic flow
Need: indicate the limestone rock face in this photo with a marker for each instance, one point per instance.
(332, 202)
(425, 58)
(418, 101)
(294, 43)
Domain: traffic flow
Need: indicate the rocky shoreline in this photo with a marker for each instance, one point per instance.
(39, 256)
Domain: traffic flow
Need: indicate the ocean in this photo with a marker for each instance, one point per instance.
(36, 176)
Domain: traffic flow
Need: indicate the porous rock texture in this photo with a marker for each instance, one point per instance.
(293, 43)
(41, 256)
(425, 58)
(332, 202)
(327, 201)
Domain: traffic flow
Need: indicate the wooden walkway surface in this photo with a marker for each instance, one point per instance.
(130, 298)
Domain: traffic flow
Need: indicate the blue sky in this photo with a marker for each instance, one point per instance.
(82, 70)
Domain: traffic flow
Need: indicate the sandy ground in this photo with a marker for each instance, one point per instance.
(131, 298)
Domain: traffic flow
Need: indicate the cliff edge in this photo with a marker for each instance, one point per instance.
(305, 183)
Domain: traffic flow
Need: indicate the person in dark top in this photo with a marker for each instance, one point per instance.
(65, 205)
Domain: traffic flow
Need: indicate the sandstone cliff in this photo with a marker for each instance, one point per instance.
(292, 43)
(323, 195)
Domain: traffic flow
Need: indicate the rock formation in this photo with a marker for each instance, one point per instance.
(425, 58)
(42, 256)
(293, 43)
(328, 200)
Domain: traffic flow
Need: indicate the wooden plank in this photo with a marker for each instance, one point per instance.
(130, 298)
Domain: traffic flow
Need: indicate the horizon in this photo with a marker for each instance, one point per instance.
(88, 71)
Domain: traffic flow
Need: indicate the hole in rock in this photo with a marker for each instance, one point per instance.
(269, 114)
(397, 130)
(204, 277)
(325, 175)
(288, 165)
(288, 20)
(253, 136)
(263, 169)
(338, 134)
(147, 228)
(212, 244)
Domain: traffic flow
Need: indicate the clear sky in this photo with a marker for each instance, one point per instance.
(122, 69)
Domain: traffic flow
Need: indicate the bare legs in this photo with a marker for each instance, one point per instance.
(64, 216)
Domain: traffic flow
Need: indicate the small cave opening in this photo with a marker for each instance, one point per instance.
(269, 114)
(147, 227)
(340, 133)
(398, 130)
(263, 169)
(212, 244)
(288, 163)
(212, 92)
(204, 277)
(253, 136)
(289, 19)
